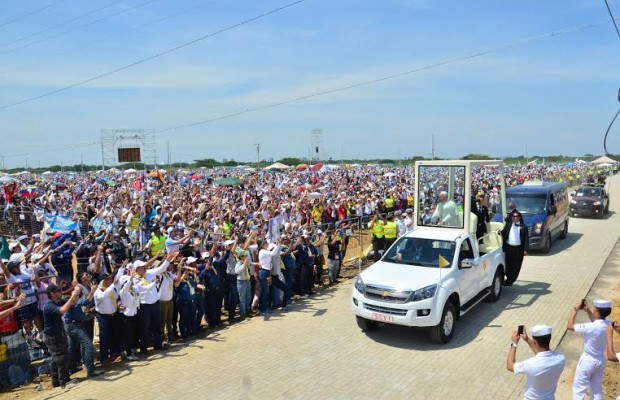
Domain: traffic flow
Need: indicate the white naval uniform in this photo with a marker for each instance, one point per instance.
(589, 371)
(542, 371)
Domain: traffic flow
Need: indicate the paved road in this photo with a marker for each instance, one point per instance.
(317, 351)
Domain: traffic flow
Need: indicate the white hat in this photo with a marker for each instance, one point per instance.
(22, 237)
(16, 257)
(13, 245)
(206, 254)
(228, 242)
(191, 260)
(602, 303)
(170, 230)
(138, 263)
(36, 257)
(540, 330)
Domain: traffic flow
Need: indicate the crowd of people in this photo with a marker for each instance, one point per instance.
(154, 260)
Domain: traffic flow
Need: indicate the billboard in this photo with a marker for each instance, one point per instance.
(129, 154)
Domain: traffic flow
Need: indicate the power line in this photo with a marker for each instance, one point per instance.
(393, 76)
(612, 18)
(31, 13)
(228, 28)
(123, 11)
(59, 24)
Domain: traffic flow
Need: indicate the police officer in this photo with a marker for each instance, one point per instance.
(390, 230)
(591, 365)
(543, 370)
(376, 230)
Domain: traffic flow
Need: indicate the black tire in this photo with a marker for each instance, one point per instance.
(601, 215)
(495, 290)
(444, 332)
(573, 215)
(366, 325)
(607, 208)
(547, 247)
(565, 231)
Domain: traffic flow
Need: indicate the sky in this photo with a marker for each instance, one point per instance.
(480, 76)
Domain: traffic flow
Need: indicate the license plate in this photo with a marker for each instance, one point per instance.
(382, 317)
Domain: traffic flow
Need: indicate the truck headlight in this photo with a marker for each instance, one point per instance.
(424, 293)
(538, 228)
(597, 203)
(573, 201)
(359, 285)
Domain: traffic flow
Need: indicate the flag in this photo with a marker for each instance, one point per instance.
(443, 263)
(137, 185)
(59, 223)
(29, 192)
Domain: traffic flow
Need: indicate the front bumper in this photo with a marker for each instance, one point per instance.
(587, 211)
(406, 314)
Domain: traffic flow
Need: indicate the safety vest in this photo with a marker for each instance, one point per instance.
(226, 228)
(159, 245)
(389, 202)
(134, 225)
(377, 229)
(390, 230)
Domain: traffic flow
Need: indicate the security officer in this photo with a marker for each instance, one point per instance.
(543, 370)
(157, 243)
(390, 230)
(591, 365)
(409, 219)
(376, 230)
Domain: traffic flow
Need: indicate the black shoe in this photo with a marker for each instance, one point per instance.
(94, 374)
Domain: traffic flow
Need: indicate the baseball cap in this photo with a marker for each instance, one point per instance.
(191, 260)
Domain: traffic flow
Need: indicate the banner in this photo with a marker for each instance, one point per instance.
(59, 223)
(274, 230)
(100, 224)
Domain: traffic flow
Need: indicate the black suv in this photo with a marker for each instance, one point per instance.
(590, 201)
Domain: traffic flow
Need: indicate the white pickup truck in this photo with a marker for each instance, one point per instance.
(436, 273)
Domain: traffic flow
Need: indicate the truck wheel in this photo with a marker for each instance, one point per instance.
(443, 332)
(607, 208)
(366, 325)
(495, 290)
(564, 231)
(547, 247)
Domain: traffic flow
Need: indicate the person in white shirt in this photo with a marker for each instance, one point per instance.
(265, 255)
(166, 292)
(145, 283)
(409, 219)
(129, 304)
(22, 283)
(589, 371)
(106, 305)
(543, 370)
(611, 352)
(446, 213)
(400, 222)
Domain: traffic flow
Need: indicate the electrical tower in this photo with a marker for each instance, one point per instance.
(257, 154)
(316, 152)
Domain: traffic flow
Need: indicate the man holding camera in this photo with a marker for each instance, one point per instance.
(591, 365)
(543, 370)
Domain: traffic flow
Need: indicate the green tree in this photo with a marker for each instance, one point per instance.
(291, 161)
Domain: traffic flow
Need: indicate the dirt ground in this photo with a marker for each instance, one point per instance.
(610, 379)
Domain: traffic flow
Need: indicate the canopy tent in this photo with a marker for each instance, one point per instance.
(277, 166)
(604, 160)
(130, 171)
(228, 182)
(47, 173)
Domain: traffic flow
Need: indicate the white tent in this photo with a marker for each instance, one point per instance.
(130, 171)
(389, 174)
(604, 160)
(277, 166)
(47, 173)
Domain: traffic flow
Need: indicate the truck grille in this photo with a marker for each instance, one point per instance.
(386, 294)
(385, 310)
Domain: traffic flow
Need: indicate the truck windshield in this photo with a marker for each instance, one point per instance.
(528, 204)
(421, 252)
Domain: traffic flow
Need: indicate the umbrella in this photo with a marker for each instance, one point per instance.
(130, 171)
(389, 174)
(228, 182)
(195, 177)
(314, 195)
(301, 167)
(316, 167)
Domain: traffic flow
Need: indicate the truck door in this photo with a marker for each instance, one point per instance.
(468, 278)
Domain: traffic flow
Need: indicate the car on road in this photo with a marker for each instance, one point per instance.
(590, 201)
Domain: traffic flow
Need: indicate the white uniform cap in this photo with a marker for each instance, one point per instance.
(602, 303)
(22, 237)
(540, 330)
(138, 263)
(13, 245)
(206, 254)
(191, 260)
(36, 257)
(16, 257)
(228, 242)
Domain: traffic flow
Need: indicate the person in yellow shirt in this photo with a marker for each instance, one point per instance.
(317, 213)
(390, 231)
(375, 226)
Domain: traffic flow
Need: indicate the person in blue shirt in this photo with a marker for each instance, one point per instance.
(212, 281)
(186, 288)
(63, 247)
(305, 254)
(79, 339)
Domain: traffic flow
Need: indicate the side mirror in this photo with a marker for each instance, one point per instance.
(553, 210)
(468, 263)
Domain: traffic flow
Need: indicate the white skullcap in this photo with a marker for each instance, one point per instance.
(540, 330)
(602, 303)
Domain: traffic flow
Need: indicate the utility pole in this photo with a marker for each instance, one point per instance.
(102, 158)
(432, 146)
(168, 154)
(257, 154)
(82, 162)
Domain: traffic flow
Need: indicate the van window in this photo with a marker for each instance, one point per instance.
(529, 204)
